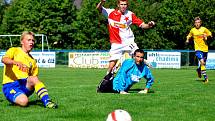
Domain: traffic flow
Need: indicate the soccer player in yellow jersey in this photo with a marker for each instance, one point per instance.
(200, 36)
(20, 76)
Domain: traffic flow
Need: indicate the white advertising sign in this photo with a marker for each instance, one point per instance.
(44, 59)
(88, 59)
(164, 59)
(1, 54)
(210, 64)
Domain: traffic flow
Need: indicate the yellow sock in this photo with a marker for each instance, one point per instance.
(42, 92)
(203, 68)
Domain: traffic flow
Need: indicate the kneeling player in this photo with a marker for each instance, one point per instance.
(131, 71)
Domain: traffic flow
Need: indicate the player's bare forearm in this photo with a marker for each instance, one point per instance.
(188, 39)
(7, 61)
(147, 26)
(99, 5)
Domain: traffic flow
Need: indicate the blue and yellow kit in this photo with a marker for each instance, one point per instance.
(12, 72)
(198, 38)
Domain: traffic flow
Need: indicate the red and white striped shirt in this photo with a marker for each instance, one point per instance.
(119, 25)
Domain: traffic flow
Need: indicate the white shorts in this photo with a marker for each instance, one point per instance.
(117, 50)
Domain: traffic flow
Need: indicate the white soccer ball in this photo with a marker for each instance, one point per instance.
(119, 115)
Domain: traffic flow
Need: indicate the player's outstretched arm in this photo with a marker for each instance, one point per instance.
(148, 25)
(99, 5)
(189, 37)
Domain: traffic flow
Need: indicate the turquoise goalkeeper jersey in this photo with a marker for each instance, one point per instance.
(131, 73)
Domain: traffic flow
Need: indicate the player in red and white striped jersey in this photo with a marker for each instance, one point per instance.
(121, 35)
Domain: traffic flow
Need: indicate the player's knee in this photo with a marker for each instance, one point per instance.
(112, 63)
(202, 63)
(33, 80)
(22, 101)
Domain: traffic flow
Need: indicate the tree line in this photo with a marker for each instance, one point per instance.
(70, 28)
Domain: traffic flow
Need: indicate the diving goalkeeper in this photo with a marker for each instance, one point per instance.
(131, 71)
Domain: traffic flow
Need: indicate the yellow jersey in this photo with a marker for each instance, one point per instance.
(12, 72)
(198, 38)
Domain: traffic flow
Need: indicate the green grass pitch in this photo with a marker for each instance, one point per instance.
(177, 95)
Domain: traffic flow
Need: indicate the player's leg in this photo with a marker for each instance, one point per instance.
(21, 100)
(202, 69)
(203, 66)
(14, 94)
(106, 84)
(198, 70)
(111, 66)
(116, 53)
(122, 53)
(41, 91)
(199, 56)
(118, 64)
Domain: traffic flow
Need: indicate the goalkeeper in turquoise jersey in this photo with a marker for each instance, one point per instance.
(200, 35)
(131, 72)
(20, 76)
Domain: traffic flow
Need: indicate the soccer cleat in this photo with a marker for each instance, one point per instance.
(143, 91)
(199, 73)
(123, 92)
(51, 104)
(206, 80)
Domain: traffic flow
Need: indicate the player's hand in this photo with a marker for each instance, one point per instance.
(151, 24)
(103, 1)
(186, 42)
(204, 36)
(123, 92)
(145, 91)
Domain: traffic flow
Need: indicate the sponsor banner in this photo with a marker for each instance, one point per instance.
(164, 59)
(1, 54)
(43, 59)
(88, 59)
(210, 64)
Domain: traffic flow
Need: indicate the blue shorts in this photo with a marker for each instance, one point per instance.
(202, 55)
(16, 88)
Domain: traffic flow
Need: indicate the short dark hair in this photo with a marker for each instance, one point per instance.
(138, 50)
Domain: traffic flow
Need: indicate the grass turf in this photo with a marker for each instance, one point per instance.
(177, 95)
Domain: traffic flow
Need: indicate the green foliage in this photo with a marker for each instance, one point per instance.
(90, 33)
(3, 6)
(69, 28)
(52, 18)
(150, 38)
(176, 18)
